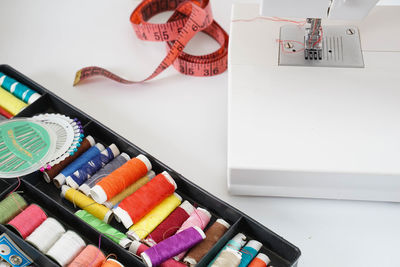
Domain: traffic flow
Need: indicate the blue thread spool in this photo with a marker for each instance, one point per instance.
(59, 180)
(249, 252)
(92, 166)
(19, 90)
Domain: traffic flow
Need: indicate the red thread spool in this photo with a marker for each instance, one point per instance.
(141, 202)
(120, 179)
(28, 220)
(171, 224)
(89, 256)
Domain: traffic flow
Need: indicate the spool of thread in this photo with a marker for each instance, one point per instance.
(66, 248)
(130, 190)
(103, 172)
(28, 220)
(104, 228)
(19, 90)
(112, 263)
(249, 252)
(172, 246)
(11, 206)
(261, 260)
(236, 243)
(59, 180)
(149, 222)
(10, 103)
(213, 234)
(90, 256)
(199, 218)
(92, 166)
(46, 234)
(86, 203)
(120, 179)
(171, 224)
(227, 258)
(146, 198)
(5, 113)
(137, 248)
(49, 175)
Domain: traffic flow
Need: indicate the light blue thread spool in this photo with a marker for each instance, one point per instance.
(103, 172)
(249, 252)
(19, 90)
(59, 180)
(92, 166)
(235, 243)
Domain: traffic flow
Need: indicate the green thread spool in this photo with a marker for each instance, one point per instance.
(104, 228)
(11, 206)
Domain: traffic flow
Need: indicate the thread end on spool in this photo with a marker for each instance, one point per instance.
(169, 178)
(125, 243)
(186, 206)
(126, 156)
(109, 215)
(133, 235)
(146, 259)
(59, 180)
(190, 261)
(123, 216)
(145, 160)
(206, 212)
(114, 150)
(71, 182)
(151, 174)
(64, 190)
(85, 189)
(98, 194)
(134, 247)
(264, 258)
(223, 222)
(178, 196)
(254, 244)
(91, 140)
(100, 147)
(203, 235)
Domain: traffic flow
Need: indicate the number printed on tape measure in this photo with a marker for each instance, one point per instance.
(189, 18)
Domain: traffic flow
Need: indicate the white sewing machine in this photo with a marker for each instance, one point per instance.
(314, 105)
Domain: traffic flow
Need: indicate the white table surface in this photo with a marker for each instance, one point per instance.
(180, 119)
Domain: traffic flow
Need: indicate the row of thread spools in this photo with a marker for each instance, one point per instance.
(49, 236)
(104, 183)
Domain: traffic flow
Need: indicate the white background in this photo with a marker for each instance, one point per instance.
(180, 119)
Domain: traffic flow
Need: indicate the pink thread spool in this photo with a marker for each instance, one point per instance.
(28, 220)
(89, 256)
(199, 218)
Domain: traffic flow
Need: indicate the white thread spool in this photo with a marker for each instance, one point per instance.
(46, 234)
(66, 248)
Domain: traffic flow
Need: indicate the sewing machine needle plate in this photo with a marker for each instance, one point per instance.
(341, 47)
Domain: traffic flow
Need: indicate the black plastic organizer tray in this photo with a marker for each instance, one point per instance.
(36, 190)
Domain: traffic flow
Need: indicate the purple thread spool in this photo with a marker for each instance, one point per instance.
(172, 246)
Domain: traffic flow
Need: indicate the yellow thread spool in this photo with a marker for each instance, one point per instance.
(130, 190)
(149, 222)
(86, 203)
(10, 102)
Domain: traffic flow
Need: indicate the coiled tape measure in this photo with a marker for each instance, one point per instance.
(189, 18)
(11, 253)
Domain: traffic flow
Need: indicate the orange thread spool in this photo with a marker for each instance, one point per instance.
(261, 260)
(112, 263)
(141, 202)
(90, 256)
(120, 179)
